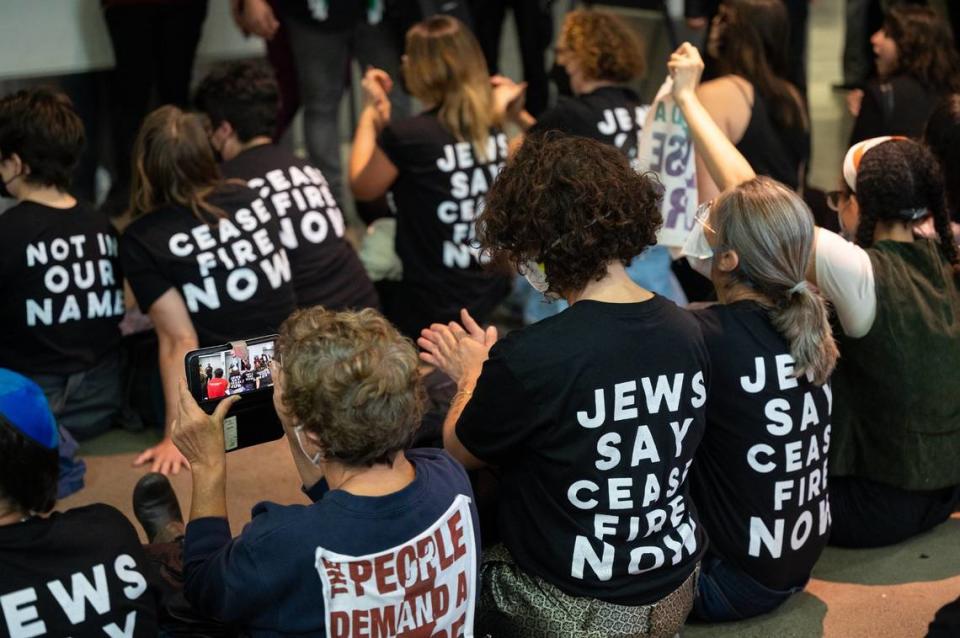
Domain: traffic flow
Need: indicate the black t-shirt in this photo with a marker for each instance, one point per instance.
(61, 290)
(326, 269)
(80, 573)
(438, 195)
(612, 114)
(264, 377)
(234, 276)
(249, 381)
(236, 382)
(593, 417)
(760, 477)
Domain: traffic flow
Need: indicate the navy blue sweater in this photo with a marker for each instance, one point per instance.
(277, 577)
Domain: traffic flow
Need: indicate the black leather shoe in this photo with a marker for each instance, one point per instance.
(155, 504)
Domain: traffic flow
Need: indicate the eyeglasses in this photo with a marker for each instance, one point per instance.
(833, 200)
(703, 214)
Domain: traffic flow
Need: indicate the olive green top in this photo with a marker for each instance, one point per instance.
(896, 391)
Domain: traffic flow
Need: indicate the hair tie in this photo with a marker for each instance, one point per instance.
(798, 288)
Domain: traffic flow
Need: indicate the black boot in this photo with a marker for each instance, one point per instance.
(155, 504)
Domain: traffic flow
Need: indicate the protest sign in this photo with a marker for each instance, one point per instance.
(665, 148)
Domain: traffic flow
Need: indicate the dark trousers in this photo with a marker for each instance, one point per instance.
(535, 31)
(154, 46)
(864, 513)
(725, 593)
(281, 59)
(322, 59)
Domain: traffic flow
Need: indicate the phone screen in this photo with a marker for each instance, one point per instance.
(235, 370)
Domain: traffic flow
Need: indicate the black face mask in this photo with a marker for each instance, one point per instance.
(4, 193)
(561, 78)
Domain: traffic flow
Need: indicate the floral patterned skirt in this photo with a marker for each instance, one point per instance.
(515, 603)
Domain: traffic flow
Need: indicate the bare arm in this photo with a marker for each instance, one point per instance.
(723, 162)
(175, 337)
(371, 172)
(451, 442)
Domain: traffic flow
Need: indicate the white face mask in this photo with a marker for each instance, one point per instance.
(698, 252)
(315, 459)
(535, 275)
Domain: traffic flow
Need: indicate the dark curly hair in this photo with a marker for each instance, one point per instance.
(897, 177)
(942, 136)
(41, 127)
(242, 93)
(605, 45)
(572, 204)
(925, 47)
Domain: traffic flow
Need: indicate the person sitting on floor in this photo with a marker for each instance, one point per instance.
(602, 54)
(895, 427)
(51, 561)
(61, 289)
(242, 101)
(768, 408)
(202, 256)
(592, 416)
(437, 166)
(389, 530)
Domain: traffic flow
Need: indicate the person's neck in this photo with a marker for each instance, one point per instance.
(734, 292)
(615, 287)
(233, 146)
(50, 196)
(10, 515)
(589, 86)
(894, 231)
(379, 479)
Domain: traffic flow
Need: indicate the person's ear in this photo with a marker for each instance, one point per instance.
(727, 260)
(313, 439)
(223, 132)
(14, 164)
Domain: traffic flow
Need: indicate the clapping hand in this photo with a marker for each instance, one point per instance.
(458, 350)
(376, 85)
(508, 96)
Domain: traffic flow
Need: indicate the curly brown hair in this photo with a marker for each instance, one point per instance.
(573, 204)
(353, 381)
(925, 47)
(606, 47)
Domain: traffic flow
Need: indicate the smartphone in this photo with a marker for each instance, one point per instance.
(238, 368)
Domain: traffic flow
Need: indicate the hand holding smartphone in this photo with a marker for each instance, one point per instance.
(239, 368)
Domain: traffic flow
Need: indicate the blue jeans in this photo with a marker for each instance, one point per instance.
(726, 593)
(86, 402)
(650, 269)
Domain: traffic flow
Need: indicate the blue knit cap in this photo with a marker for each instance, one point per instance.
(23, 404)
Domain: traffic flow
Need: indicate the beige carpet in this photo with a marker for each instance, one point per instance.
(885, 593)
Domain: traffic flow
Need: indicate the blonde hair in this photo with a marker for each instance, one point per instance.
(352, 380)
(772, 231)
(445, 67)
(173, 164)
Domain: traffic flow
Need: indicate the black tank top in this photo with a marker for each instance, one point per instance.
(773, 150)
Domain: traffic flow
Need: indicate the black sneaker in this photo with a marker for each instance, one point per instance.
(155, 504)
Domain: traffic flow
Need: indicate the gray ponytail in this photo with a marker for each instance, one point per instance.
(772, 232)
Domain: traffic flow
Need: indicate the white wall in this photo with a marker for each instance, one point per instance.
(54, 37)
